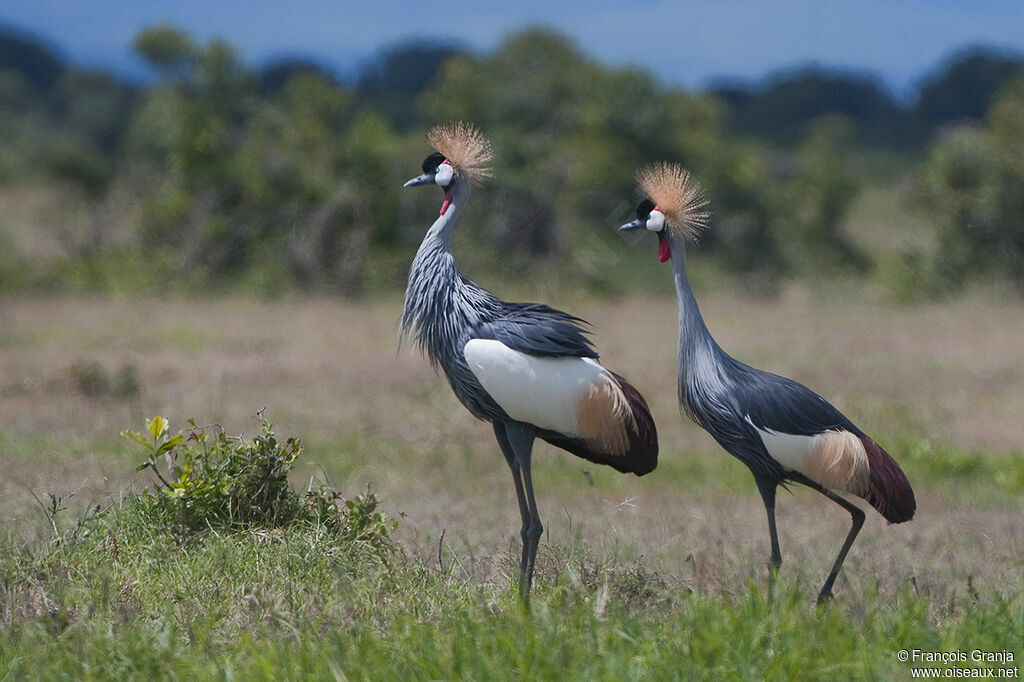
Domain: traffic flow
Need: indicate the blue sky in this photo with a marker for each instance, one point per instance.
(681, 43)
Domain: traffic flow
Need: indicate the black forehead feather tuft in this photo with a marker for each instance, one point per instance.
(431, 163)
(644, 209)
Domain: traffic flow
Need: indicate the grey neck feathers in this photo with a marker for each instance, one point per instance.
(439, 300)
(440, 231)
(701, 361)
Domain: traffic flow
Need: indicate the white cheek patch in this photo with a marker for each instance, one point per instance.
(444, 174)
(656, 221)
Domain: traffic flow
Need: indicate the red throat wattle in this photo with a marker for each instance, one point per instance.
(447, 201)
(664, 252)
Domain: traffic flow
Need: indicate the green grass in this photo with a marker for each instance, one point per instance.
(121, 593)
(659, 577)
(122, 600)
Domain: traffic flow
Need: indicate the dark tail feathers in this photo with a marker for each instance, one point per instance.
(890, 492)
(642, 454)
(643, 441)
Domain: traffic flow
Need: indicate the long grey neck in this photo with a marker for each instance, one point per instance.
(432, 312)
(438, 237)
(699, 354)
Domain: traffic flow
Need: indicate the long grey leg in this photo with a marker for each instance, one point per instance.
(768, 489)
(520, 441)
(858, 521)
(524, 509)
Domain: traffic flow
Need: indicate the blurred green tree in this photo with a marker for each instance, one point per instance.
(280, 176)
(569, 134)
(822, 189)
(21, 123)
(167, 49)
(390, 83)
(973, 182)
(87, 112)
(780, 109)
(274, 76)
(745, 197)
(292, 186)
(91, 105)
(199, 212)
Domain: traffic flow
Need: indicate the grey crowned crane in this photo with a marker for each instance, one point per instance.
(781, 430)
(526, 368)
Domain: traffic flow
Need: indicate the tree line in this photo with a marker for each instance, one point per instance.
(218, 174)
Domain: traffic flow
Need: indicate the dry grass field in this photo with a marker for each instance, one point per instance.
(942, 386)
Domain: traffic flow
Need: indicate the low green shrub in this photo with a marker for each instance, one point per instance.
(216, 481)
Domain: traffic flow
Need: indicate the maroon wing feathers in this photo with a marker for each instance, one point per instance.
(889, 492)
(641, 456)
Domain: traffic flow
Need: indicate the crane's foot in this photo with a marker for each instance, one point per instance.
(825, 597)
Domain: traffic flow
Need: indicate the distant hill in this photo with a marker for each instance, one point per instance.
(779, 107)
(40, 64)
(963, 87)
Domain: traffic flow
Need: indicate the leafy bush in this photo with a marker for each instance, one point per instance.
(230, 482)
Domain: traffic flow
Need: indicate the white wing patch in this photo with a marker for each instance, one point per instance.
(833, 459)
(545, 392)
(789, 450)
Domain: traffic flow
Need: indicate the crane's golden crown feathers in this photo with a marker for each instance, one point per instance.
(677, 194)
(465, 147)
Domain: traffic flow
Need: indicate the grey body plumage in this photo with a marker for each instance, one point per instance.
(746, 409)
(724, 395)
(444, 309)
(445, 312)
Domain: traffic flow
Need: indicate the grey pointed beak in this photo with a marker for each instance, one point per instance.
(635, 225)
(425, 179)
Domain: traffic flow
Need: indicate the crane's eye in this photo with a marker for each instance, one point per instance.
(444, 174)
(645, 207)
(432, 162)
(656, 221)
